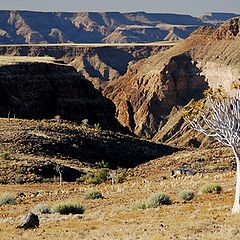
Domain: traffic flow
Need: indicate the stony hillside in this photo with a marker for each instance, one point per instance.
(32, 145)
(84, 27)
(153, 90)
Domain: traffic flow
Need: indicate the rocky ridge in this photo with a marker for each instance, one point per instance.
(153, 90)
(96, 27)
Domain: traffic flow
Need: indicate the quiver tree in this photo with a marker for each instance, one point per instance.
(218, 116)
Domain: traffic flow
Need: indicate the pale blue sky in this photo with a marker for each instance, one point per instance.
(193, 7)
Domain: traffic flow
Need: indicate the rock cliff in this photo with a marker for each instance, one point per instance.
(38, 90)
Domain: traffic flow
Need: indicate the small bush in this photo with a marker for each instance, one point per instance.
(5, 156)
(19, 179)
(93, 194)
(158, 199)
(66, 208)
(41, 208)
(211, 188)
(7, 198)
(97, 177)
(186, 195)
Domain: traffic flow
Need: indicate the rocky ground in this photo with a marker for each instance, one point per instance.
(207, 216)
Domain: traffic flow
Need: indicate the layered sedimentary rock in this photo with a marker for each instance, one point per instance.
(151, 93)
(97, 63)
(96, 27)
(44, 90)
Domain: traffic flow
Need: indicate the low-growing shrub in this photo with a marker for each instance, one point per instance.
(7, 198)
(186, 195)
(211, 188)
(93, 194)
(42, 208)
(66, 208)
(97, 177)
(158, 199)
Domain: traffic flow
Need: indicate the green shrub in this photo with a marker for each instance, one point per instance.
(186, 195)
(158, 199)
(5, 156)
(7, 198)
(41, 208)
(211, 188)
(93, 194)
(102, 164)
(68, 208)
(97, 177)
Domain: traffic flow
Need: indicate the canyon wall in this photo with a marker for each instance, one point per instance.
(149, 96)
(43, 90)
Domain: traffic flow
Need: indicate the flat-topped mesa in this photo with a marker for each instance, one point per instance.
(38, 90)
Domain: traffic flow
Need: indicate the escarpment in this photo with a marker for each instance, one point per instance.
(43, 90)
(97, 63)
(149, 96)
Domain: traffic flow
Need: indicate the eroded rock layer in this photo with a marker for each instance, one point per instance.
(150, 94)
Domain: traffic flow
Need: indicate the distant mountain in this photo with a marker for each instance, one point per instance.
(217, 17)
(93, 27)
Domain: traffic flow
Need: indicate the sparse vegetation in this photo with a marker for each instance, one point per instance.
(102, 164)
(7, 198)
(66, 208)
(186, 195)
(93, 194)
(157, 199)
(97, 177)
(211, 188)
(139, 205)
(41, 208)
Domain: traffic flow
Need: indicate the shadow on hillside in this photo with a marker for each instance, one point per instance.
(116, 149)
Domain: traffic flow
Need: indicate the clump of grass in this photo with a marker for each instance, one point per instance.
(97, 177)
(66, 208)
(42, 208)
(7, 198)
(186, 195)
(93, 194)
(158, 199)
(139, 205)
(211, 188)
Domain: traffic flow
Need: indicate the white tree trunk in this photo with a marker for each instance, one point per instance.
(60, 178)
(236, 206)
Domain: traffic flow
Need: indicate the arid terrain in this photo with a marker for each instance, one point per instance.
(100, 27)
(110, 118)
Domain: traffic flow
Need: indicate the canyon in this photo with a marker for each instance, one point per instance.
(18, 27)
